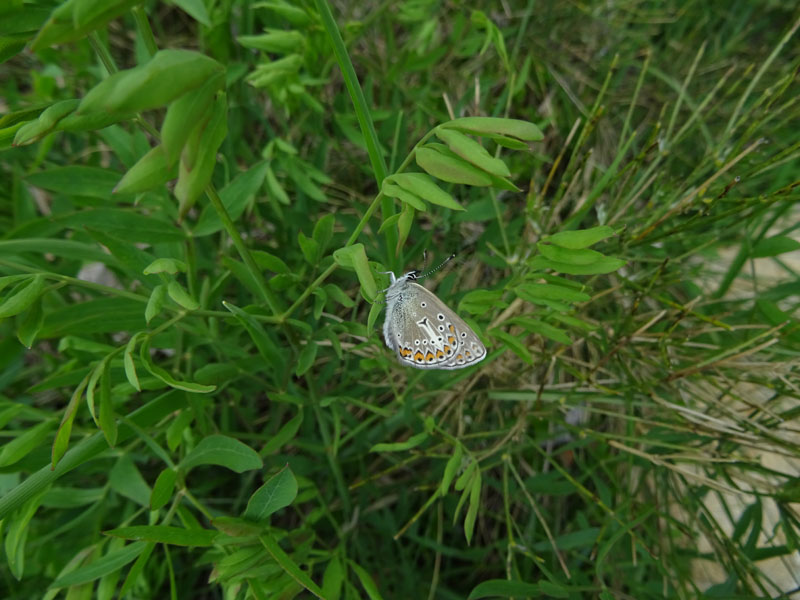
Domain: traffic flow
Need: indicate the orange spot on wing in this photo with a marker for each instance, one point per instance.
(429, 356)
(460, 357)
(439, 354)
(451, 328)
(451, 340)
(418, 356)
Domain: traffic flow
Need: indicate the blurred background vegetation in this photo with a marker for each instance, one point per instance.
(195, 397)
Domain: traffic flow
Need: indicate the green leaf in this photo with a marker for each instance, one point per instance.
(181, 296)
(294, 14)
(61, 443)
(129, 255)
(168, 75)
(24, 443)
(605, 265)
(450, 168)
(72, 20)
(107, 420)
(155, 302)
(145, 417)
(355, 257)
(474, 504)
(279, 491)
(276, 190)
(323, 231)
(395, 191)
(200, 155)
(85, 12)
(779, 244)
(533, 292)
(333, 579)
(306, 358)
(472, 151)
(404, 224)
(65, 249)
(163, 488)
(515, 128)
(75, 180)
(164, 375)
(335, 293)
(583, 256)
(478, 302)
(412, 442)
(270, 262)
(225, 452)
(162, 534)
(35, 130)
(267, 348)
(31, 324)
(372, 318)
(235, 197)
(285, 562)
(516, 346)
(236, 527)
(390, 221)
(505, 589)
(573, 321)
(150, 172)
(195, 9)
(125, 224)
(309, 247)
(165, 265)
(582, 238)
(285, 434)
(111, 562)
(22, 296)
(451, 468)
(135, 572)
(185, 113)
(104, 315)
(16, 534)
(275, 40)
(126, 479)
(542, 328)
(366, 581)
(423, 186)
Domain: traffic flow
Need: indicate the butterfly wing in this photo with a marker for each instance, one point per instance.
(426, 334)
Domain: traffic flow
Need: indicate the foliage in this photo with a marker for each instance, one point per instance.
(199, 200)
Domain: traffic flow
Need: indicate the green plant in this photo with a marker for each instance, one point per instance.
(221, 407)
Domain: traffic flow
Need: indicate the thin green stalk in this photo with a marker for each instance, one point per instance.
(754, 81)
(102, 53)
(353, 236)
(266, 292)
(143, 24)
(363, 116)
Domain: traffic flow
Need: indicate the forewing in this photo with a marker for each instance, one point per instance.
(432, 336)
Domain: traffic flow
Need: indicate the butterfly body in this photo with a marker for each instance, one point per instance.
(424, 332)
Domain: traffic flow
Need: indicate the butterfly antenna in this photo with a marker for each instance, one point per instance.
(434, 269)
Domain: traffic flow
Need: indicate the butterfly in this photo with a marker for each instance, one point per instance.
(424, 332)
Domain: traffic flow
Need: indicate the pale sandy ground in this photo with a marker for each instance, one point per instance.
(728, 507)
